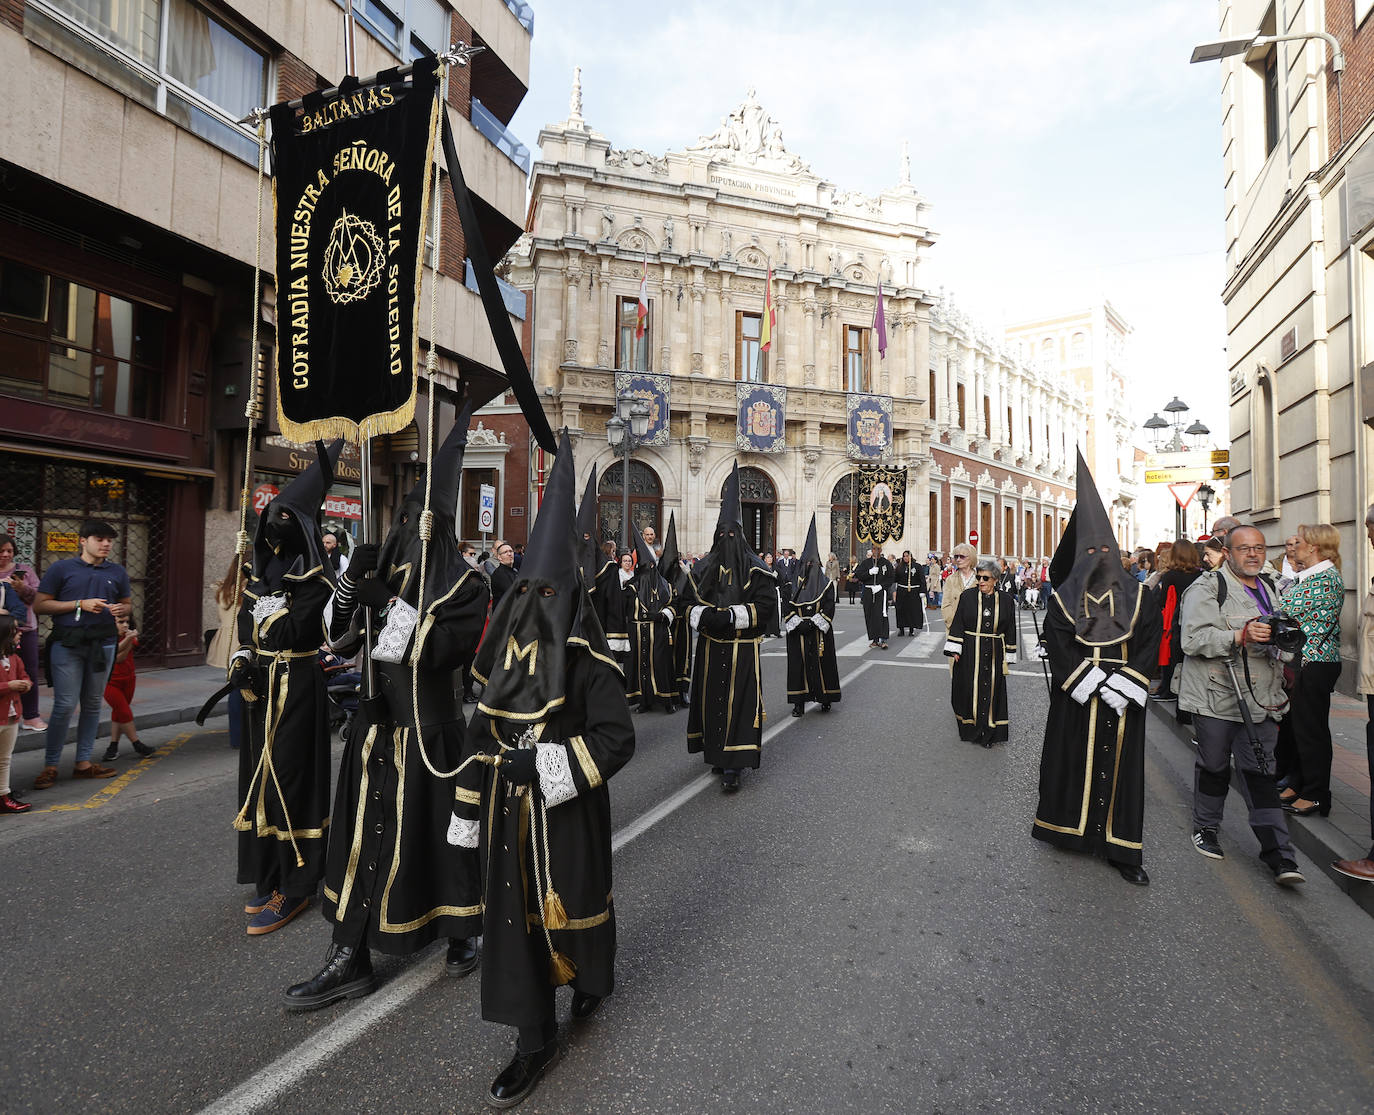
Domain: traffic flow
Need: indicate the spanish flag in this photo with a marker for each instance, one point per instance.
(643, 313)
(770, 315)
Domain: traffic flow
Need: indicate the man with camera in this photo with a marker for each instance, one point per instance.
(1230, 629)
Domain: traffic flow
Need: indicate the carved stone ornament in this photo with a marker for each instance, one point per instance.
(752, 257)
(752, 137)
(696, 454)
(484, 437)
(638, 160)
(810, 458)
(959, 473)
(570, 351)
(696, 360)
(603, 353)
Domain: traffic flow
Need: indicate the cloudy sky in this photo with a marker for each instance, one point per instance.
(1068, 149)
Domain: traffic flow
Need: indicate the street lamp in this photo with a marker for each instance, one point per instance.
(1155, 424)
(1198, 430)
(625, 429)
(1205, 494)
(1225, 48)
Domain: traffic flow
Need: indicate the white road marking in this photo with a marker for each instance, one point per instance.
(263, 1088)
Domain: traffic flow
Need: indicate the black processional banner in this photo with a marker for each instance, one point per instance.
(880, 504)
(351, 179)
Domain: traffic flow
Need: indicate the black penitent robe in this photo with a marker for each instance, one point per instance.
(608, 600)
(1092, 769)
(650, 677)
(813, 673)
(683, 598)
(877, 578)
(910, 583)
(392, 875)
(983, 635)
(596, 738)
(284, 762)
(725, 721)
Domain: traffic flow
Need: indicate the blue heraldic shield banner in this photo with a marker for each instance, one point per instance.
(868, 435)
(653, 390)
(762, 409)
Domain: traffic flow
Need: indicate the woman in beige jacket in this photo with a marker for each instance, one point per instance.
(965, 563)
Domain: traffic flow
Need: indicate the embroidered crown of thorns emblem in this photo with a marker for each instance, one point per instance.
(353, 259)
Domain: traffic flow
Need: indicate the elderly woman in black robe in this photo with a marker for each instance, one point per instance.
(982, 643)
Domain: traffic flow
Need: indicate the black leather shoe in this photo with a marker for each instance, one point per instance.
(798, 710)
(469, 699)
(347, 974)
(518, 1079)
(584, 1005)
(729, 781)
(825, 708)
(462, 956)
(1133, 873)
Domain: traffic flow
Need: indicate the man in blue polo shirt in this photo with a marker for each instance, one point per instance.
(84, 595)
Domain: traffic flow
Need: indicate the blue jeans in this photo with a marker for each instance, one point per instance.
(75, 680)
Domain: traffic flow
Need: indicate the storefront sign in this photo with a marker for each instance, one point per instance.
(280, 455)
(62, 542)
(87, 429)
(343, 507)
(264, 494)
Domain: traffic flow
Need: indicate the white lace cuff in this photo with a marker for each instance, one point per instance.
(555, 773)
(694, 616)
(1011, 656)
(395, 636)
(954, 646)
(669, 615)
(621, 645)
(821, 622)
(266, 606)
(741, 615)
(1083, 691)
(461, 833)
(793, 622)
(1128, 689)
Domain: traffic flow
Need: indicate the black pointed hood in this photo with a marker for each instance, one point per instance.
(670, 560)
(522, 662)
(1099, 597)
(811, 580)
(286, 542)
(400, 558)
(650, 586)
(722, 576)
(589, 555)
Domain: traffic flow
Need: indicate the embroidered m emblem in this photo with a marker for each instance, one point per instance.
(515, 652)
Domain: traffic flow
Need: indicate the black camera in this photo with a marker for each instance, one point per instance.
(1286, 633)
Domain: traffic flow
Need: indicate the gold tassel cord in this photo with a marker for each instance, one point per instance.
(555, 916)
(561, 969)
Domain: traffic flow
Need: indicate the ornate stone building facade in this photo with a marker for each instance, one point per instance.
(702, 227)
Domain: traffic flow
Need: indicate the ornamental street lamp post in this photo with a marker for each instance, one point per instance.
(625, 430)
(1205, 495)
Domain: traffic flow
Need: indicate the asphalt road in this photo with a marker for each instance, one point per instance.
(867, 924)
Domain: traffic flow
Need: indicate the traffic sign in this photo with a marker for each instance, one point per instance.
(1181, 475)
(1184, 493)
(1190, 458)
(486, 513)
(973, 538)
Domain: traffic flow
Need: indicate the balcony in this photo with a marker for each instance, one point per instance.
(523, 12)
(499, 137)
(514, 299)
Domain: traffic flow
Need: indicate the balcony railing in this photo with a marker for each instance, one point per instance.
(514, 299)
(501, 138)
(523, 12)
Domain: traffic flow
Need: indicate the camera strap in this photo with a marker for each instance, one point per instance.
(1250, 685)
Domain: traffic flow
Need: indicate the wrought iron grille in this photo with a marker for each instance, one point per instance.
(755, 487)
(44, 505)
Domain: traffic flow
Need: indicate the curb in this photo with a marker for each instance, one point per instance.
(35, 741)
(1317, 838)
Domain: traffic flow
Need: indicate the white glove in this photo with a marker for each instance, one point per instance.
(1111, 697)
(821, 622)
(694, 616)
(1120, 683)
(1040, 652)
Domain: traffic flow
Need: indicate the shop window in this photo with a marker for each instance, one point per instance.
(173, 56)
(71, 344)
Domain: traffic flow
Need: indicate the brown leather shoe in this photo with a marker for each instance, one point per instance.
(46, 777)
(95, 770)
(1362, 869)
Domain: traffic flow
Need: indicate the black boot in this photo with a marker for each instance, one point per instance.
(519, 1078)
(462, 956)
(729, 781)
(584, 1005)
(1132, 873)
(347, 974)
(798, 709)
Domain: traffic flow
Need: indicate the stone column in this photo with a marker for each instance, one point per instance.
(778, 372)
(698, 324)
(941, 389)
(998, 433)
(572, 295)
(605, 342)
(809, 341)
(668, 315)
(722, 362)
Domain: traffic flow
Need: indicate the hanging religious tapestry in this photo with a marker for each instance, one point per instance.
(880, 504)
(654, 391)
(351, 176)
(869, 433)
(762, 417)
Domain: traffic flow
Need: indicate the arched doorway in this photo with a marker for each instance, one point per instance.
(758, 501)
(646, 499)
(843, 544)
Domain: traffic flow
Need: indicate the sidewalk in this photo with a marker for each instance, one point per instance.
(1344, 834)
(162, 697)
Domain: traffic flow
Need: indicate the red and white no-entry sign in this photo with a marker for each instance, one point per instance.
(973, 538)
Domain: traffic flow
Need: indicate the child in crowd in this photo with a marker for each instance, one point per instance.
(14, 683)
(119, 693)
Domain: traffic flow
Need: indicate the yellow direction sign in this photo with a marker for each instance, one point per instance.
(1182, 475)
(1188, 458)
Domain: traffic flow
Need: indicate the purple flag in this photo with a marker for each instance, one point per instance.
(880, 323)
